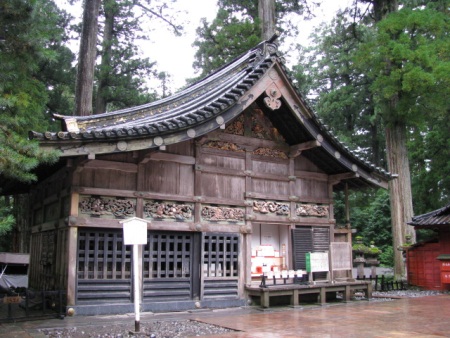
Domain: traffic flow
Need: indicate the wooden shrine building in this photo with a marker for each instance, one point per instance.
(428, 263)
(234, 173)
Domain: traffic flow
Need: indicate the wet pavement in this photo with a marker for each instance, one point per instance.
(408, 317)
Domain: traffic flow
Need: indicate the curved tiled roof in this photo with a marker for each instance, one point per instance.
(196, 104)
(204, 107)
(434, 218)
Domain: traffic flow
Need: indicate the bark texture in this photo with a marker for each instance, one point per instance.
(86, 59)
(266, 9)
(400, 192)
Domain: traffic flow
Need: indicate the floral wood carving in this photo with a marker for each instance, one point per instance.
(216, 214)
(104, 206)
(269, 207)
(168, 210)
(270, 153)
(262, 128)
(236, 127)
(224, 146)
(312, 210)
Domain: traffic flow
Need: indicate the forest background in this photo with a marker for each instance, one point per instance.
(377, 75)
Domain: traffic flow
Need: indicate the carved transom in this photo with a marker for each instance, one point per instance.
(269, 152)
(262, 128)
(224, 146)
(168, 210)
(236, 127)
(312, 210)
(98, 206)
(220, 213)
(271, 207)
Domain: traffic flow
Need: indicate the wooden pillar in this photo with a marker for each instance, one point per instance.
(72, 242)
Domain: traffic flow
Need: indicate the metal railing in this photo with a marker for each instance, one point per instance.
(21, 305)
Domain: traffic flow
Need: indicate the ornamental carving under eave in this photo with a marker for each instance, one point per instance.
(224, 146)
(107, 207)
(236, 127)
(218, 214)
(269, 152)
(277, 208)
(312, 210)
(168, 210)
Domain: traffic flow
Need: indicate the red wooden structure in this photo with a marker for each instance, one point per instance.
(428, 264)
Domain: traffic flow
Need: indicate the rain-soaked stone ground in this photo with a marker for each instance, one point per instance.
(186, 328)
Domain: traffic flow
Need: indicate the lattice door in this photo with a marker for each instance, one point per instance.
(104, 267)
(168, 266)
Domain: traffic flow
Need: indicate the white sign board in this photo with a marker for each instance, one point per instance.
(317, 262)
(134, 231)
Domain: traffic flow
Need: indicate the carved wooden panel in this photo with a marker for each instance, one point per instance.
(222, 214)
(222, 145)
(107, 207)
(271, 208)
(164, 211)
(311, 210)
(237, 126)
(262, 128)
(268, 152)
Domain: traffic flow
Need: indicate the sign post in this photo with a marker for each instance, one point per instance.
(135, 233)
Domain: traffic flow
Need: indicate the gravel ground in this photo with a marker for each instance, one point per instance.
(189, 328)
(157, 329)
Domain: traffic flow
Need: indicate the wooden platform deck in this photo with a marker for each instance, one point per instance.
(297, 291)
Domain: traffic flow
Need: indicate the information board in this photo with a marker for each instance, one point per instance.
(134, 231)
(317, 262)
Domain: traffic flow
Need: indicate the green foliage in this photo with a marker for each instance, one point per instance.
(370, 216)
(386, 257)
(340, 89)
(26, 27)
(408, 60)
(430, 151)
(236, 29)
(224, 39)
(123, 74)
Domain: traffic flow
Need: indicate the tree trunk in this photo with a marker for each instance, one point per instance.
(400, 192)
(103, 81)
(86, 58)
(266, 10)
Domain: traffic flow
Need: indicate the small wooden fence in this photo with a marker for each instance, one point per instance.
(380, 283)
(30, 304)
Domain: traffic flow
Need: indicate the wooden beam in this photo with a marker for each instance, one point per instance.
(163, 156)
(297, 149)
(101, 164)
(335, 179)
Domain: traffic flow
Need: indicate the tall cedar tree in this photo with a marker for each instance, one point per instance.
(26, 26)
(110, 30)
(408, 61)
(238, 27)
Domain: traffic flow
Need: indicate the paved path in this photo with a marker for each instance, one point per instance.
(409, 317)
